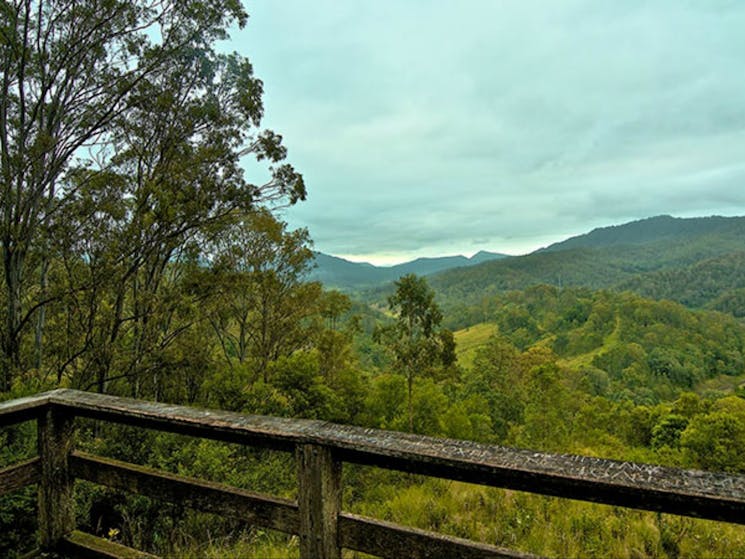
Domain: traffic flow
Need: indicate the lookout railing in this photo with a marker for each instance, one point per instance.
(320, 449)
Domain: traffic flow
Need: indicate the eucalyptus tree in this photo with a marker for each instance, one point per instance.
(68, 71)
(416, 339)
(334, 340)
(265, 301)
(176, 162)
(121, 131)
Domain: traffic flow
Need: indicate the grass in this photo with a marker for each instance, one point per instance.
(549, 526)
(470, 339)
(585, 359)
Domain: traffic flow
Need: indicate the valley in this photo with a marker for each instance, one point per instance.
(186, 188)
(627, 350)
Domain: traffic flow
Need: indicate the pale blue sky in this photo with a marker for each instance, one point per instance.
(428, 127)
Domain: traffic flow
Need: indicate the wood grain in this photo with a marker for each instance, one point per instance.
(20, 475)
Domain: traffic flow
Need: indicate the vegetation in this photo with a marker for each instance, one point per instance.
(121, 130)
(696, 262)
(711, 283)
(415, 339)
(565, 370)
(139, 260)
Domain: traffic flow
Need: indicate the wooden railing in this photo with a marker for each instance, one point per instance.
(321, 448)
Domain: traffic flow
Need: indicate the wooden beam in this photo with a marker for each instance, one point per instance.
(23, 409)
(269, 432)
(20, 475)
(85, 546)
(386, 539)
(715, 496)
(710, 495)
(206, 496)
(319, 500)
(56, 502)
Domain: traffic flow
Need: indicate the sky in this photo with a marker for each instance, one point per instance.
(428, 128)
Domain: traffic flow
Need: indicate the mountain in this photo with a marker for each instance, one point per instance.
(706, 283)
(484, 256)
(333, 271)
(337, 272)
(652, 230)
(696, 261)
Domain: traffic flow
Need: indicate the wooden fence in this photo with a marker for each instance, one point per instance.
(320, 449)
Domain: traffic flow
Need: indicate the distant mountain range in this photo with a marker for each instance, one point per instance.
(696, 261)
(699, 262)
(335, 272)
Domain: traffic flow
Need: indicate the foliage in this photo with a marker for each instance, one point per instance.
(17, 510)
(258, 312)
(716, 440)
(620, 343)
(93, 246)
(150, 266)
(415, 339)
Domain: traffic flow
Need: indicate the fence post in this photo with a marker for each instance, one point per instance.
(56, 503)
(319, 501)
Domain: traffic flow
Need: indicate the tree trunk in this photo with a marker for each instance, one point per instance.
(41, 317)
(11, 360)
(410, 382)
(101, 377)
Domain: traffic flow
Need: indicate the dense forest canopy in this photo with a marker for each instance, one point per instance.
(139, 259)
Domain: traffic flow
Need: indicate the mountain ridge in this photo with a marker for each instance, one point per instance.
(618, 256)
(650, 229)
(662, 257)
(337, 272)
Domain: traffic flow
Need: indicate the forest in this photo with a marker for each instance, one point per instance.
(140, 260)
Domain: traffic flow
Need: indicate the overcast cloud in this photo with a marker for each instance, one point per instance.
(430, 128)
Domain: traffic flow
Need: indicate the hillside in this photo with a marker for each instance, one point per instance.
(712, 283)
(470, 339)
(663, 258)
(653, 230)
(335, 272)
(621, 343)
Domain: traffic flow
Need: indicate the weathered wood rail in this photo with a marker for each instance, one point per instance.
(320, 449)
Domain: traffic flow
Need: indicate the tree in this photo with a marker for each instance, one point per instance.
(414, 338)
(263, 298)
(179, 154)
(333, 305)
(68, 70)
(497, 376)
(667, 431)
(716, 440)
(549, 409)
(119, 113)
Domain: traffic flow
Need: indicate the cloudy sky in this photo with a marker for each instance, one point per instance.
(432, 127)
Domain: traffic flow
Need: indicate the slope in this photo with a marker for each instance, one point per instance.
(707, 283)
(597, 260)
(654, 229)
(621, 343)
